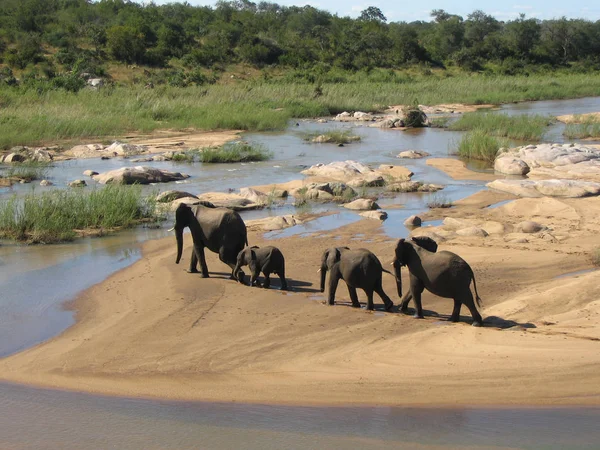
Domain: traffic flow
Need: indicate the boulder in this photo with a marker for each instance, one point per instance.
(122, 149)
(318, 194)
(550, 188)
(369, 180)
(190, 201)
(472, 231)
(169, 196)
(412, 154)
(41, 155)
(138, 175)
(46, 183)
(492, 227)
(529, 226)
(451, 223)
(78, 183)
(362, 204)
(81, 151)
(339, 170)
(413, 221)
(231, 201)
(254, 196)
(397, 173)
(90, 173)
(377, 215)
(14, 157)
(511, 166)
(272, 223)
(278, 193)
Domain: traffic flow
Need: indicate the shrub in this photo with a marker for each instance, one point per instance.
(235, 152)
(332, 137)
(523, 127)
(478, 144)
(439, 201)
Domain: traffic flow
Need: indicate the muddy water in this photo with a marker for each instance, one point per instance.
(36, 281)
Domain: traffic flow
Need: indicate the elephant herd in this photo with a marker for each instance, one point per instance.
(223, 231)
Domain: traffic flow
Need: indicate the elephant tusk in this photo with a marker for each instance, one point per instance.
(171, 229)
(318, 271)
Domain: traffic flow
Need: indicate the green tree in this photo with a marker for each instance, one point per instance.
(125, 44)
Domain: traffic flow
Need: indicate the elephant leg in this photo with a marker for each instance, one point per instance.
(334, 278)
(254, 281)
(193, 262)
(416, 288)
(199, 255)
(281, 274)
(267, 282)
(404, 302)
(389, 304)
(228, 257)
(455, 317)
(467, 299)
(370, 305)
(353, 296)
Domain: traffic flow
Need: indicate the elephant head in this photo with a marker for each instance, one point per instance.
(184, 217)
(329, 258)
(403, 251)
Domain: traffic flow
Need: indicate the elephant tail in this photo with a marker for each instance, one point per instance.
(387, 271)
(477, 297)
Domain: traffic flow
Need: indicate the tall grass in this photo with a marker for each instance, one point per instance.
(589, 128)
(28, 170)
(478, 144)
(62, 215)
(28, 117)
(523, 127)
(235, 152)
(333, 136)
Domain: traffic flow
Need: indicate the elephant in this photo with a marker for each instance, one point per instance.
(221, 230)
(262, 259)
(428, 244)
(443, 273)
(359, 269)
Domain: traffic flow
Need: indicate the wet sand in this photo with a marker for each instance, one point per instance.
(153, 330)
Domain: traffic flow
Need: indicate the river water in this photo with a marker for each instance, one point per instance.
(36, 281)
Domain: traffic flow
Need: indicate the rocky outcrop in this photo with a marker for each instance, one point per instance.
(358, 174)
(254, 196)
(273, 223)
(574, 161)
(232, 201)
(90, 173)
(376, 215)
(22, 154)
(138, 175)
(550, 188)
(78, 183)
(529, 226)
(414, 186)
(412, 154)
(169, 196)
(413, 221)
(362, 204)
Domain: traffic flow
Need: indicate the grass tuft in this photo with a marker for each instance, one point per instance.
(588, 128)
(332, 137)
(28, 170)
(478, 144)
(439, 201)
(522, 127)
(63, 215)
(235, 152)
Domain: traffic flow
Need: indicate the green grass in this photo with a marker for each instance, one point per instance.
(333, 137)
(63, 215)
(439, 201)
(522, 127)
(439, 122)
(588, 128)
(478, 144)
(235, 152)
(30, 118)
(186, 157)
(28, 170)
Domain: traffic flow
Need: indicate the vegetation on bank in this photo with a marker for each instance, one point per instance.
(525, 127)
(235, 152)
(479, 144)
(588, 128)
(26, 171)
(29, 117)
(62, 215)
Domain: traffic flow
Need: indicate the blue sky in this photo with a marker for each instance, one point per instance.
(402, 10)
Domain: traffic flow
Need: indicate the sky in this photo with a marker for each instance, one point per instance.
(408, 11)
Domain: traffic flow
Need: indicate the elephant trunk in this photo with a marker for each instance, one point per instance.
(398, 277)
(323, 274)
(179, 237)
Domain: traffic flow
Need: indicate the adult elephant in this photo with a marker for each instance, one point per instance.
(221, 230)
(359, 269)
(444, 274)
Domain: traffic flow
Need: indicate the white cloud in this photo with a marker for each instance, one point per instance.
(522, 7)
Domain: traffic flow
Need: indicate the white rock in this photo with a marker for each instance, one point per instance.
(362, 204)
(377, 215)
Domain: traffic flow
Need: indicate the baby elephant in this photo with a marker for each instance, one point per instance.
(267, 260)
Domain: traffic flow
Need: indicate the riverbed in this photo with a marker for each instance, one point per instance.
(38, 280)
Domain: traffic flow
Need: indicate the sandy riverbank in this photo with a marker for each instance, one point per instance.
(153, 330)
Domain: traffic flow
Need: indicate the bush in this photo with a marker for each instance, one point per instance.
(523, 127)
(478, 144)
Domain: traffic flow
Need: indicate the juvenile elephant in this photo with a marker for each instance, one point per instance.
(221, 230)
(264, 259)
(444, 274)
(428, 244)
(359, 269)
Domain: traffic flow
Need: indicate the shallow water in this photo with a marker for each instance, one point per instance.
(36, 281)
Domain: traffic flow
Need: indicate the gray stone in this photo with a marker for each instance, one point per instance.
(90, 173)
(376, 215)
(169, 196)
(369, 180)
(139, 175)
(78, 183)
(14, 157)
(254, 196)
(362, 204)
(529, 226)
(412, 154)
(511, 166)
(413, 221)
(46, 183)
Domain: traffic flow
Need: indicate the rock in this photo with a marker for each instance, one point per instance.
(359, 115)
(385, 123)
(550, 188)
(190, 201)
(81, 151)
(377, 215)
(46, 183)
(169, 196)
(121, 149)
(339, 170)
(516, 238)
(90, 173)
(451, 223)
(272, 223)
(492, 227)
(231, 201)
(529, 226)
(511, 166)
(369, 180)
(437, 237)
(317, 194)
(278, 193)
(104, 158)
(472, 231)
(362, 204)
(413, 221)
(95, 83)
(78, 183)
(14, 157)
(397, 173)
(41, 155)
(254, 196)
(140, 160)
(138, 175)
(343, 115)
(412, 154)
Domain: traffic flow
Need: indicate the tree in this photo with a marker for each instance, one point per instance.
(125, 44)
(372, 14)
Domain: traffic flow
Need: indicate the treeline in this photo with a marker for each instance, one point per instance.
(59, 39)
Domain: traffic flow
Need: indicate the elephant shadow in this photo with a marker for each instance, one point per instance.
(489, 321)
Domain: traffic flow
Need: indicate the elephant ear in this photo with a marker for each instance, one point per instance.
(400, 252)
(426, 242)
